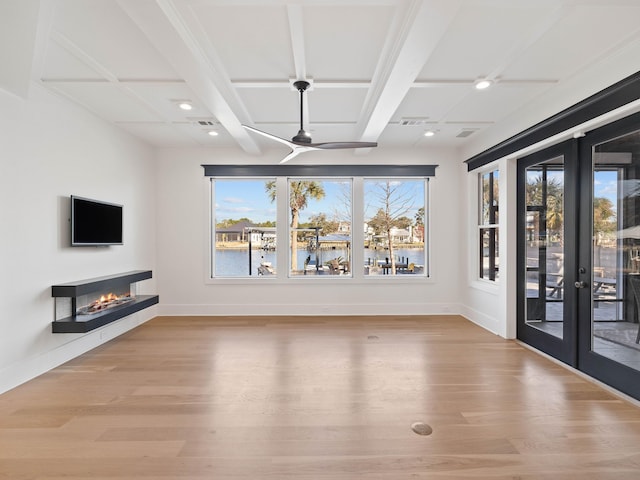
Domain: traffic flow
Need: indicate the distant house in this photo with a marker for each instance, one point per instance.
(238, 232)
(344, 228)
(400, 235)
(243, 232)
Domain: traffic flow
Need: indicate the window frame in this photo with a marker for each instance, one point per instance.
(492, 225)
(350, 181)
(426, 227)
(213, 230)
(282, 173)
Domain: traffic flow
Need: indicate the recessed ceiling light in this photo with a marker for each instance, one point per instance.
(482, 84)
(185, 105)
(213, 133)
(429, 133)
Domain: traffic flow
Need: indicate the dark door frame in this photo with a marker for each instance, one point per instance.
(565, 348)
(619, 376)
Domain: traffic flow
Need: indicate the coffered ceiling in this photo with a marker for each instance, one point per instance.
(381, 70)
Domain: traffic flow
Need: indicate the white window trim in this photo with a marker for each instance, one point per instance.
(282, 230)
(475, 213)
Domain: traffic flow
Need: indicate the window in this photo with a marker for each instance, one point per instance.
(488, 226)
(394, 226)
(244, 228)
(320, 222)
(320, 226)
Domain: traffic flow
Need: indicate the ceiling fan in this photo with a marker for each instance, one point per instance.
(302, 141)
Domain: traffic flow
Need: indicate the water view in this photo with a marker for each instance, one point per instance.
(320, 214)
(235, 262)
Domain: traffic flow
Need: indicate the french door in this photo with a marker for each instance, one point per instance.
(579, 253)
(546, 251)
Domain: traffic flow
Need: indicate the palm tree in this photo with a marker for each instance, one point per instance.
(300, 191)
(604, 215)
(553, 202)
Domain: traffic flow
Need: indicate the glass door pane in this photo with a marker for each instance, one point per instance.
(547, 248)
(544, 252)
(616, 249)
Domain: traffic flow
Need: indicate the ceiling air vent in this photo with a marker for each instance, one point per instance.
(465, 132)
(203, 122)
(414, 121)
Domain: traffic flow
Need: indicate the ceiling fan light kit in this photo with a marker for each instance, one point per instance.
(302, 141)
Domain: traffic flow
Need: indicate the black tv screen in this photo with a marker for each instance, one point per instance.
(95, 223)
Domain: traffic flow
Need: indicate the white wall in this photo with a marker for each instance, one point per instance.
(492, 304)
(183, 259)
(50, 150)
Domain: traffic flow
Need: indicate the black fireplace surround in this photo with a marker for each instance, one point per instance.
(82, 323)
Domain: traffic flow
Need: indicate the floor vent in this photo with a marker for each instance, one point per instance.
(421, 428)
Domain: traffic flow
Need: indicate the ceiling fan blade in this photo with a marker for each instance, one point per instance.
(288, 143)
(337, 145)
(292, 154)
(297, 150)
(302, 141)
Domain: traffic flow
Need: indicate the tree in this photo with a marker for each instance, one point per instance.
(378, 222)
(604, 216)
(268, 223)
(320, 220)
(553, 202)
(228, 222)
(403, 222)
(342, 203)
(419, 219)
(396, 201)
(300, 191)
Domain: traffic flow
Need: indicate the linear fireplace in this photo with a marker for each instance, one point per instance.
(89, 304)
(105, 302)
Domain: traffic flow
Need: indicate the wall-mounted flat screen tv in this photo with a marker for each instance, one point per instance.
(95, 223)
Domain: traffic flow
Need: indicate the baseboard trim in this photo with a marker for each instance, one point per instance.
(310, 310)
(79, 343)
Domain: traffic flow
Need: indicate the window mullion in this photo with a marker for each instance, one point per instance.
(357, 230)
(282, 225)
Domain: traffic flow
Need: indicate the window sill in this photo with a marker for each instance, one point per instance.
(341, 280)
(485, 285)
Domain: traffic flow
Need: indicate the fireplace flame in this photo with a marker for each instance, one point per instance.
(105, 301)
(110, 297)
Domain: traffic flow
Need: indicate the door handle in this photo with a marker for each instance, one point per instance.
(581, 284)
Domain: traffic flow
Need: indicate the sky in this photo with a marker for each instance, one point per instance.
(248, 198)
(243, 198)
(605, 183)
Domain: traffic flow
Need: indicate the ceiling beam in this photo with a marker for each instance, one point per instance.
(167, 30)
(107, 80)
(19, 22)
(418, 83)
(417, 33)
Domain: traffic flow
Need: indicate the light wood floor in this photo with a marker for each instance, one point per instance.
(314, 398)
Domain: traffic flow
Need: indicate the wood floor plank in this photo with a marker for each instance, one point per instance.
(322, 398)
